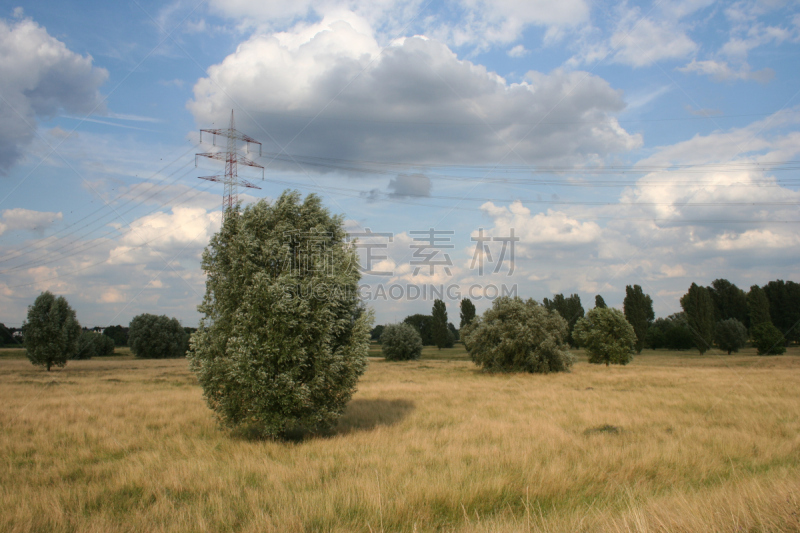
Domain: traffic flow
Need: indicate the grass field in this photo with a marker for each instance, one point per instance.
(672, 442)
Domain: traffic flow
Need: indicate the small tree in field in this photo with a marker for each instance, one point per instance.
(607, 336)
(51, 331)
(519, 336)
(730, 335)
(768, 339)
(156, 337)
(401, 342)
(91, 344)
(283, 338)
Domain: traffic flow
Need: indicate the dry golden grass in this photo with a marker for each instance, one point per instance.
(669, 443)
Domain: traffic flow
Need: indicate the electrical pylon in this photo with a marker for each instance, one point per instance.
(233, 159)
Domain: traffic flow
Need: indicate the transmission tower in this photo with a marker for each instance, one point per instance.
(233, 159)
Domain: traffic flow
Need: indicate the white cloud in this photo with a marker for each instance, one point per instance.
(26, 219)
(518, 51)
(503, 21)
(721, 71)
(640, 42)
(334, 93)
(39, 77)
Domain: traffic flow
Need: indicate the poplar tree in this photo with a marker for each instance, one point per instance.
(441, 333)
(599, 302)
(757, 306)
(467, 312)
(699, 310)
(638, 308)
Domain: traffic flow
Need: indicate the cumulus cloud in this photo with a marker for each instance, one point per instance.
(335, 93)
(39, 77)
(26, 219)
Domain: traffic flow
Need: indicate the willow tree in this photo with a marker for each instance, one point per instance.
(283, 338)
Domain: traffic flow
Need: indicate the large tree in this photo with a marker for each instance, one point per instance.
(639, 313)
(442, 337)
(515, 335)
(467, 312)
(51, 331)
(156, 337)
(699, 310)
(283, 338)
(570, 310)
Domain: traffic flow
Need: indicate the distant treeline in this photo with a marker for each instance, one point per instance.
(777, 302)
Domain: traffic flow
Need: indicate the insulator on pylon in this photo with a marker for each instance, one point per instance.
(232, 159)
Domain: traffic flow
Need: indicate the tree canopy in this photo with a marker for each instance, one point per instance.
(606, 335)
(519, 336)
(51, 331)
(570, 310)
(401, 342)
(156, 337)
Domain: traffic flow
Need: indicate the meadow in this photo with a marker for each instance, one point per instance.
(672, 442)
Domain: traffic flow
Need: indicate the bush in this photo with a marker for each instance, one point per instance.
(401, 342)
(156, 337)
(768, 339)
(283, 339)
(51, 331)
(515, 335)
(730, 335)
(607, 336)
(91, 344)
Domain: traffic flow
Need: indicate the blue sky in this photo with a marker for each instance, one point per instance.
(623, 143)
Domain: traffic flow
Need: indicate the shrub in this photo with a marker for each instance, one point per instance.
(283, 339)
(730, 335)
(51, 331)
(768, 339)
(156, 337)
(515, 335)
(401, 342)
(607, 336)
(91, 344)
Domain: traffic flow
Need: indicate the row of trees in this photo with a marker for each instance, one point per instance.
(53, 335)
(719, 315)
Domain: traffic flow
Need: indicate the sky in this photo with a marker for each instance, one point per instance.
(474, 148)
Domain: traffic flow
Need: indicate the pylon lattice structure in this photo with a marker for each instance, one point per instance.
(232, 159)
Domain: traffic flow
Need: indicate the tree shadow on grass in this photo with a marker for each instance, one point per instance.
(365, 415)
(360, 415)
